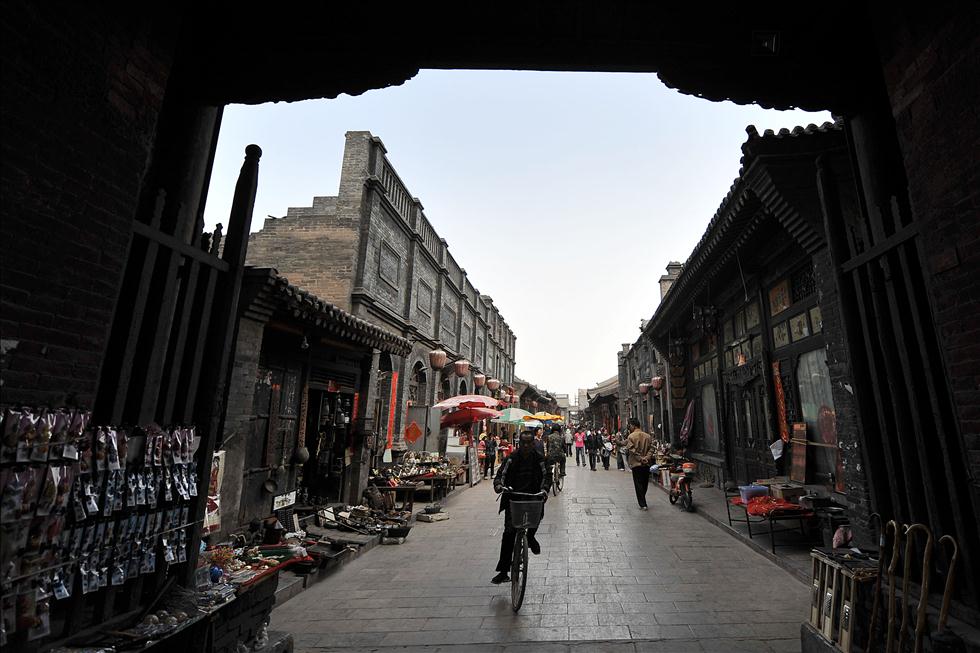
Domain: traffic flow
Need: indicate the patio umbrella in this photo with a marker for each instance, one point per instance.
(512, 416)
(467, 416)
(467, 401)
(542, 416)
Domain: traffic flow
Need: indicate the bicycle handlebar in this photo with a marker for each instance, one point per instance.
(508, 490)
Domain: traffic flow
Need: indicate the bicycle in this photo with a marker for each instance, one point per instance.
(523, 515)
(556, 478)
(680, 485)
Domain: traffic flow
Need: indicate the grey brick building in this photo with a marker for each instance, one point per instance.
(371, 250)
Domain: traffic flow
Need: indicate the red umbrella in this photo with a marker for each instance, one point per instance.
(467, 416)
(467, 401)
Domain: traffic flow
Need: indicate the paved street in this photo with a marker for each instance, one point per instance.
(609, 578)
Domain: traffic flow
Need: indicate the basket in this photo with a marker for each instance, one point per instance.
(526, 514)
(749, 491)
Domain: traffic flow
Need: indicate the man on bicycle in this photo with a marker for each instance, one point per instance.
(526, 471)
(556, 448)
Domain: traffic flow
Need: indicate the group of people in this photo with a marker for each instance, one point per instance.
(529, 470)
(599, 446)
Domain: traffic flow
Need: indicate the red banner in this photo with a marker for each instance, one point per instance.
(392, 407)
(353, 415)
(777, 383)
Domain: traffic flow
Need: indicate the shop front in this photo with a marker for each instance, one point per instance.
(750, 376)
(301, 423)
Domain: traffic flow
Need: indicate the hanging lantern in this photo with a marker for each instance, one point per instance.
(644, 388)
(479, 380)
(462, 367)
(657, 383)
(493, 384)
(437, 359)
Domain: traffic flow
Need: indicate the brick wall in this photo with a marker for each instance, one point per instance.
(313, 247)
(931, 83)
(82, 89)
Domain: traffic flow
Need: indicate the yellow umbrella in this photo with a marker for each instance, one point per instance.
(543, 417)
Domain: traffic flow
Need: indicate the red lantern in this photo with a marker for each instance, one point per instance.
(644, 388)
(437, 359)
(479, 380)
(493, 384)
(462, 367)
(657, 383)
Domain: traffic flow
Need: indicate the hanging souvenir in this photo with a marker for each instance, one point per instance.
(42, 620)
(185, 445)
(91, 498)
(111, 449)
(192, 482)
(28, 503)
(78, 500)
(159, 443)
(59, 434)
(101, 448)
(119, 481)
(182, 547)
(49, 489)
(42, 437)
(64, 488)
(59, 587)
(168, 494)
(85, 454)
(149, 443)
(176, 446)
(11, 434)
(13, 496)
(109, 499)
(26, 431)
(122, 446)
(152, 488)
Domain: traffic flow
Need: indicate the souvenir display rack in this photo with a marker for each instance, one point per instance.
(87, 513)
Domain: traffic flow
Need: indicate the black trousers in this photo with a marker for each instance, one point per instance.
(592, 456)
(561, 464)
(641, 481)
(488, 464)
(507, 542)
(605, 462)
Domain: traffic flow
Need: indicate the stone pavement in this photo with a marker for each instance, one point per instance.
(609, 578)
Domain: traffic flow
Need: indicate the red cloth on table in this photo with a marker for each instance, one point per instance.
(762, 506)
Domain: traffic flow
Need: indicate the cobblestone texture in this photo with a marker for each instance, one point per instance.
(609, 578)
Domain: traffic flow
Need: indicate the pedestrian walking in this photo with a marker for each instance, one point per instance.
(579, 448)
(620, 449)
(640, 450)
(592, 446)
(489, 456)
(569, 439)
(605, 450)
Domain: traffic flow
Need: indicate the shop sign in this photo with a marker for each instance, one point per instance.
(283, 500)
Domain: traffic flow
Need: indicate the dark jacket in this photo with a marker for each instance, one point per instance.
(530, 474)
(593, 442)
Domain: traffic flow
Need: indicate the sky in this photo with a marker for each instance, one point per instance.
(563, 195)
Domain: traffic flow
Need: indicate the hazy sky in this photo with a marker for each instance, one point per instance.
(563, 195)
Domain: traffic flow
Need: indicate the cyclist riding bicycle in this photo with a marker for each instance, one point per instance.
(525, 470)
(556, 448)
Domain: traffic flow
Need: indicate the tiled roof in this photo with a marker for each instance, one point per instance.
(337, 322)
(729, 218)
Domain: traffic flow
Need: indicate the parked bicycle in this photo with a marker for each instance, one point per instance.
(681, 479)
(523, 515)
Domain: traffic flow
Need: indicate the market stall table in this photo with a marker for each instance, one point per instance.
(778, 511)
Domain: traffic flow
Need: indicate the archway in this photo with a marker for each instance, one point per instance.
(418, 386)
(462, 387)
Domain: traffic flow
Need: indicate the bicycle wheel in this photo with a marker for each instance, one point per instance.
(518, 570)
(687, 499)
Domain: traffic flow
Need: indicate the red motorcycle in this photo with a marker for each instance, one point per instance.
(681, 481)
